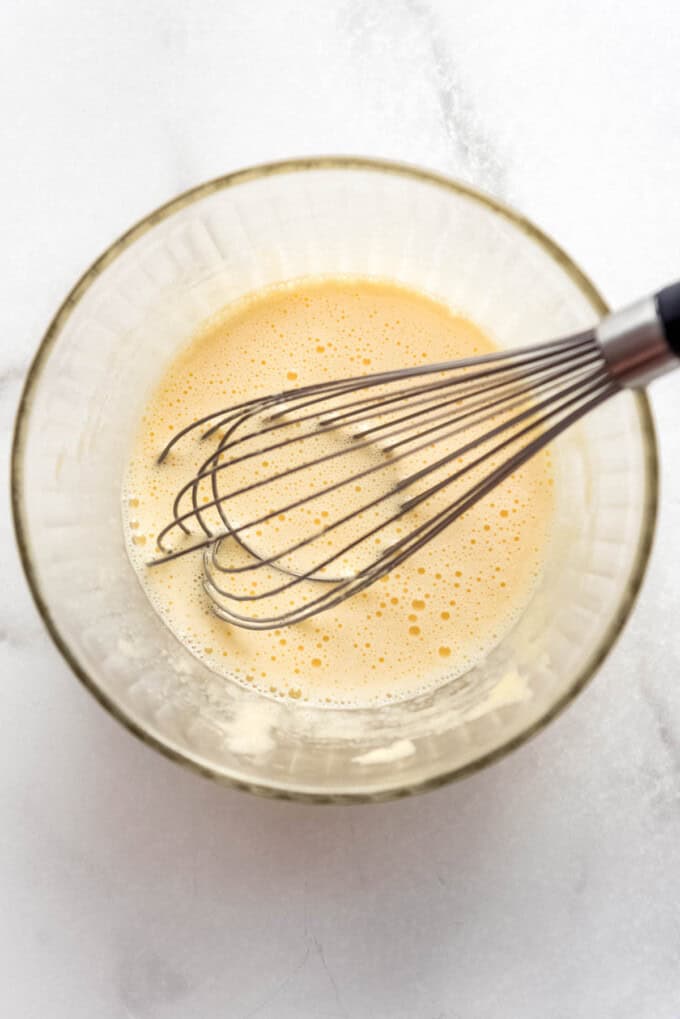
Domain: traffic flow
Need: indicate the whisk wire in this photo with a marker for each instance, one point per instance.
(505, 407)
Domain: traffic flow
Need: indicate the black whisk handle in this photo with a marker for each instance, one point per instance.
(668, 304)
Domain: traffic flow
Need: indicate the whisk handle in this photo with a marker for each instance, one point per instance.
(668, 304)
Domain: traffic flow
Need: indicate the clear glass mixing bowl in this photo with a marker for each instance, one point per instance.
(110, 341)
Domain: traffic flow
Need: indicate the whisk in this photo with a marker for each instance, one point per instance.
(308, 496)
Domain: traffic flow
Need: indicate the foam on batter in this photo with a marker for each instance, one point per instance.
(442, 610)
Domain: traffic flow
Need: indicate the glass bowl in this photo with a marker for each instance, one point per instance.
(109, 343)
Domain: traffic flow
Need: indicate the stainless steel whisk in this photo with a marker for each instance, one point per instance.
(309, 496)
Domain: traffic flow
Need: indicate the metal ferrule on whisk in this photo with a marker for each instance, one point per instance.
(634, 344)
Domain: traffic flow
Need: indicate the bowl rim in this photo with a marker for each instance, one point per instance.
(49, 340)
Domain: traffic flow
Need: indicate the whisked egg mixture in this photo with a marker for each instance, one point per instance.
(439, 612)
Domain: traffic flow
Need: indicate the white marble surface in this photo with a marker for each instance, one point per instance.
(547, 886)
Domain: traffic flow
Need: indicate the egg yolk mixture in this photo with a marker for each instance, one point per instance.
(442, 610)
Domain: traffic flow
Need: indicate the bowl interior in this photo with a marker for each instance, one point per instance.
(110, 342)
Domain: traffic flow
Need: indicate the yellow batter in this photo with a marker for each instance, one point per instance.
(443, 609)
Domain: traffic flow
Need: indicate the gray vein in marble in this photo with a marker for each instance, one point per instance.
(581, 881)
(281, 986)
(333, 981)
(408, 36)
(659, 715)
(470, 144)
